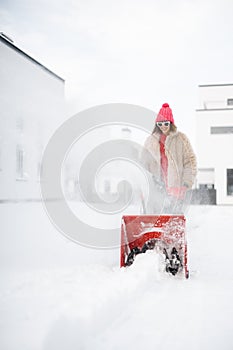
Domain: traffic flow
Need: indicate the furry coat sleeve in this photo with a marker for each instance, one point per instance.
(181, 159)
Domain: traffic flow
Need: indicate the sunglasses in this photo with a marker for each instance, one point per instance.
(165, 123)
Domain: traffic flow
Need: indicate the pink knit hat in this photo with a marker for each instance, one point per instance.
(165, 113)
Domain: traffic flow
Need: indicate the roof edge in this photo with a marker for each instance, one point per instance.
(10, 44)
(214, 85)
(213, 109)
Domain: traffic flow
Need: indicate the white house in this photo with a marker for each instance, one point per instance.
(32, 107)
(214, 132)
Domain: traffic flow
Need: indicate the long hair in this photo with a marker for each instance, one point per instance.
(157, 130)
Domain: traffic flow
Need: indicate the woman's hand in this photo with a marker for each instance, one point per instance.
(177, 192)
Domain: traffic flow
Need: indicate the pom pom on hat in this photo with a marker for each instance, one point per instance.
(165, 113)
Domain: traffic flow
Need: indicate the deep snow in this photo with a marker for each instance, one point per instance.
(58, 295)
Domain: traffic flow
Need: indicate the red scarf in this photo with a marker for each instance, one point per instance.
(163, 158)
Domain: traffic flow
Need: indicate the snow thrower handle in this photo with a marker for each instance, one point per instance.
(143, 202)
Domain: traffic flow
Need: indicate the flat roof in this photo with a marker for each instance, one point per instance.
(12, 46)
(213, 85)
(213, 109)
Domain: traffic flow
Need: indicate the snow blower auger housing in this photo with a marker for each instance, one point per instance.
(163, 233)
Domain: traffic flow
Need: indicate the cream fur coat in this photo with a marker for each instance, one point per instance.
(180, 155)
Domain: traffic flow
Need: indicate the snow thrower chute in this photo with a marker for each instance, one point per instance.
(163, 233)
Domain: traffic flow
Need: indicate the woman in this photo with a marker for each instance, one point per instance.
(169, 157)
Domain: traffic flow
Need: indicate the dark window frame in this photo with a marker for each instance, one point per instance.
(230, 101)
(220, 130)
(229, 174)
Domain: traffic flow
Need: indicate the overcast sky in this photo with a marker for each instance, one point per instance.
(143, 52)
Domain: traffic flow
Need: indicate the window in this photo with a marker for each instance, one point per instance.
(221, 130)
(230, 101)
(20, 163)
(230, 182)
(20, 125)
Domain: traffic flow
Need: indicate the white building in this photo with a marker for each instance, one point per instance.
(32, 107)
(214, 121)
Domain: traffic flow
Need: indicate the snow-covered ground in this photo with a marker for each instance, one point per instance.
(57, 295)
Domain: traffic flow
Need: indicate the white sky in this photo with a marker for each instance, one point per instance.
(144, 52)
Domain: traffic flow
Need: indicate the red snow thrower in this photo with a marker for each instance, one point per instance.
(163, 233)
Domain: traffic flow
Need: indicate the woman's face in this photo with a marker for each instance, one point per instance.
(164, 126)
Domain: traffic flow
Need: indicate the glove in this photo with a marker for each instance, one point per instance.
(177, 192)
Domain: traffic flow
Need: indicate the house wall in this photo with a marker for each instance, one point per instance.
(214, 150)
(32, 107)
